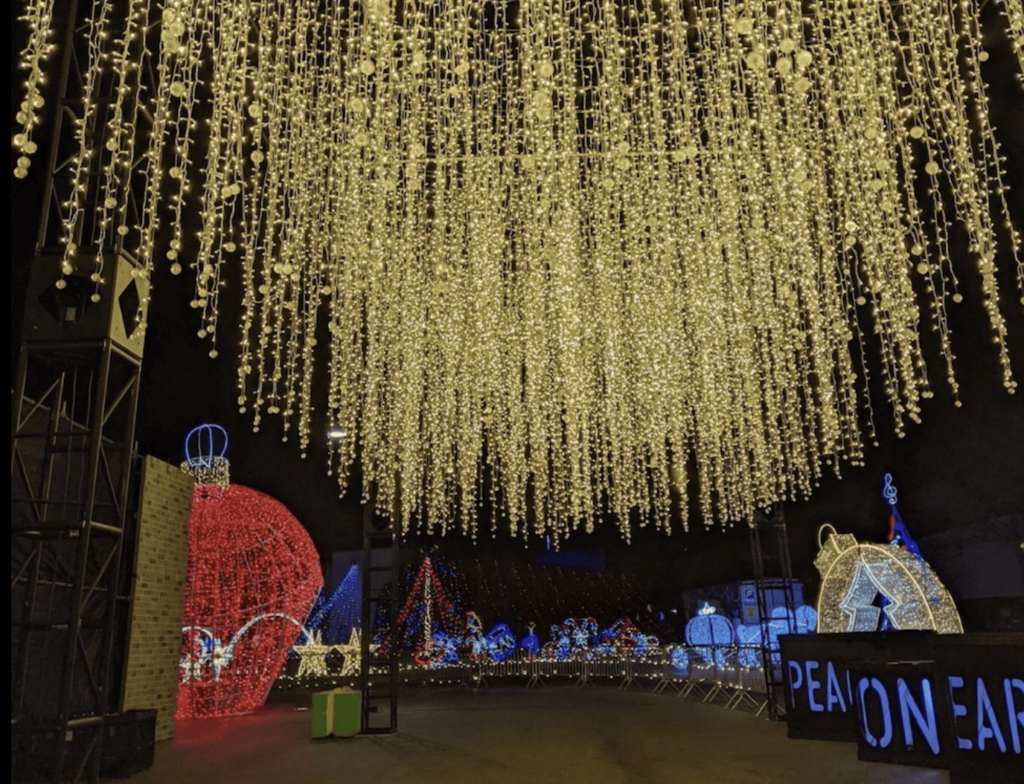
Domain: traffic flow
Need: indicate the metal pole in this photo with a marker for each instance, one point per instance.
(81, 563)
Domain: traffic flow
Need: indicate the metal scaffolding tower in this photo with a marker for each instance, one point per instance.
(769, 545)
(378, 677)
(73, 409)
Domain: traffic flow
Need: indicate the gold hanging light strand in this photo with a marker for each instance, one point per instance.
(39, 18)
(561, 251)
(1013, 10)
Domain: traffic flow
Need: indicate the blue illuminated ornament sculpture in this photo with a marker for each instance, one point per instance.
(710, 635)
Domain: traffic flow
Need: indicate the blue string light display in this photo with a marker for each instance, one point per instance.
(710, 634)
(679, 657)
(531, 642)
(501, 642)
(749, 636)
(336, 616)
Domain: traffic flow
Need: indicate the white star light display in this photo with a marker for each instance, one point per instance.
(353, 653)
(312, 657)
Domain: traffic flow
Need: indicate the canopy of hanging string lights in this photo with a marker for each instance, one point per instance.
(550, 252)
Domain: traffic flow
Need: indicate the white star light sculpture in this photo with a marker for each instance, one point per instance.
(312, 657)
(353, 653)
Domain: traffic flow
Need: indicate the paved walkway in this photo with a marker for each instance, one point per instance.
(515, 735)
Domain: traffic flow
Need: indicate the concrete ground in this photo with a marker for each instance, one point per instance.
(513, 735)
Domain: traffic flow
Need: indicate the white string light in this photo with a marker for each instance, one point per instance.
(558, 257)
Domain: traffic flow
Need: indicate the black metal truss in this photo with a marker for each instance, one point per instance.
(769, 545)
(378, 675)
(72, 429)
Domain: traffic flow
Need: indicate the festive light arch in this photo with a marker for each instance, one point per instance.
(571, 250)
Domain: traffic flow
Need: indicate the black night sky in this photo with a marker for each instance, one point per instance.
(959, 468)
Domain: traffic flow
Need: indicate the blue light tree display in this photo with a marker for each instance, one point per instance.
(336, 616)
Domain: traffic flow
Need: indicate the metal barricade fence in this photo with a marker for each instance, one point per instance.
(722, 674)
(714, 674)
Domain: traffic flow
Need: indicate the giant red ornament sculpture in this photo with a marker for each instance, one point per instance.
(253, 574)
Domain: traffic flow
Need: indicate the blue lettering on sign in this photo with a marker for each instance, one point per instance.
(925, 719)
(1016, 716)
(956, 682)
(796, 680)
(808, 674)
(862, 686)
(986, 711)
(918, 719)
(813, 686)
(837, 698)
(833, 689)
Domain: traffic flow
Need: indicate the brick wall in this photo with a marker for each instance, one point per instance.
(161, 561)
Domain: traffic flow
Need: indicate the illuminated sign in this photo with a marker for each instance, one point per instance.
(898, 715)
(818, 676)
(980, 695)
(955, 702)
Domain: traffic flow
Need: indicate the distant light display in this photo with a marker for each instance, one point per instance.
(531, 642)
(501, 643)
(428, 609)
(442, 649)
(624, 638)
(336, 616)
(571, 638)
(496, 645)
(252, 571)
(679, 657)
(710, 634)
(803, 620)
(474, 638)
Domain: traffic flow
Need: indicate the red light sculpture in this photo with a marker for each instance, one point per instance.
(253, 574)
